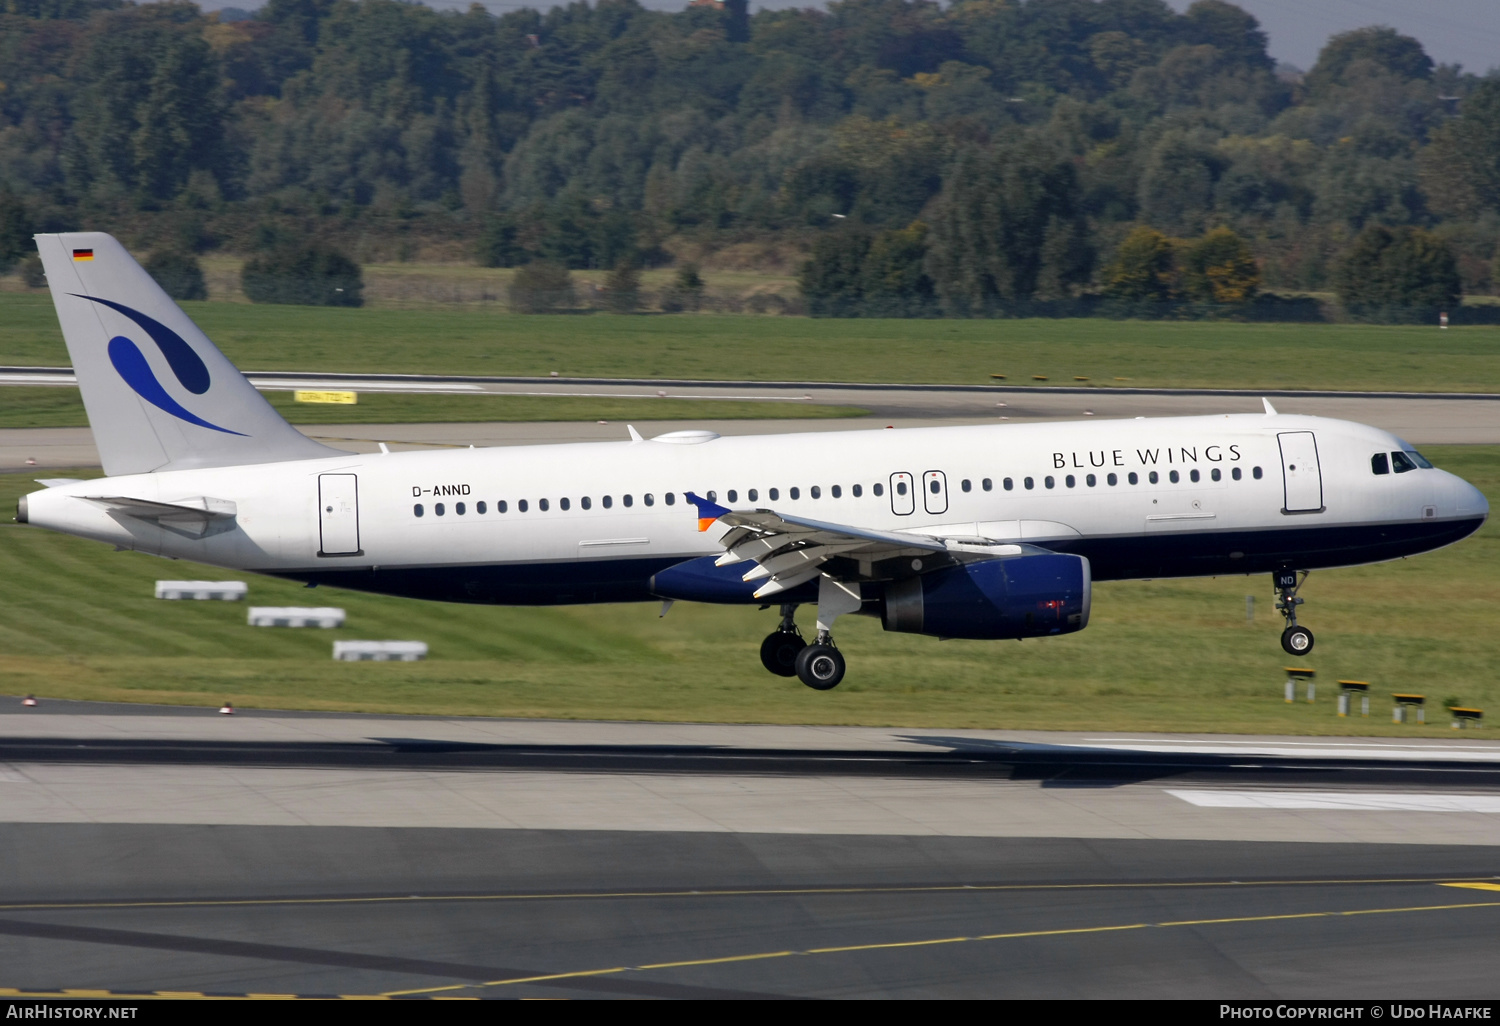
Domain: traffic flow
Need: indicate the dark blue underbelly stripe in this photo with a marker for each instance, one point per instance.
(1201, 554)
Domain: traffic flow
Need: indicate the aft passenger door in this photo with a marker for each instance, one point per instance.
(1300, 473)
(935, 491)
(338, 514)
(903, 494)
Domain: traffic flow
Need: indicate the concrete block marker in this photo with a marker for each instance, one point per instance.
(296, 616)
(202, 591)
(380, 651)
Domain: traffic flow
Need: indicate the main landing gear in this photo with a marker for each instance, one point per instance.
(784, 652)
(1297, 640)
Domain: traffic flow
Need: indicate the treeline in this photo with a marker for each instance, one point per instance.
(979, 158)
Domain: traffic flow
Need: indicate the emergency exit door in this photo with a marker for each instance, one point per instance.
(935, 491)
(1300, 472)
(338, 514)
(903, 494)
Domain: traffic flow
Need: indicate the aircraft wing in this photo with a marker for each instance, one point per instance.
(789, 550)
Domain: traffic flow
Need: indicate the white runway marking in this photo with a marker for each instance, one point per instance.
(1367, 801)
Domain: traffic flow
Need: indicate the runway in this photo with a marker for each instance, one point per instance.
(153, 849)
(1418, 418)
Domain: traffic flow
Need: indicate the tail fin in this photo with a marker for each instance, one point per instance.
(159, 395)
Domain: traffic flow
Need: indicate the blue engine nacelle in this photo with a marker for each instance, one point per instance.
(1024, 597)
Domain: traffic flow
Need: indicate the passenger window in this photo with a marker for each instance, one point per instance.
(541, 504)
(417, 510)
(1091, 480)
(1008, 484)
(836, 492)
(629, 501)
(1030, 483)
(1050, 482)
(671, 499)
(815, 492)
(500, 506)
(459, 508)
(987, 484)
(713, 496)
(585, 502)
(1112, 480)
(1152, 477)
(521, 506)
(734, 496)
(774, 493)
(795, 493)
(900, 487)
(1133, 478)
(562, 503)
(1070, 481)
(608, 501)
(879, 489)
(754, 495)
(438, 509)
(1193, 476)
(649, 499)
(965, 485)
(1216, 474)
(1173, 477)
(1236, 473)
(1380, 463)
(857, 490)
(480, 508)
(1401, 463)
(1256, 473)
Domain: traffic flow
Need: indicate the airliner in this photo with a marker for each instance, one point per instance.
(987, 532)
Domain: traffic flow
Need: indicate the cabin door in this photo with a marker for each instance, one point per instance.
(903, 494)
(1300, 472)
(338, 514)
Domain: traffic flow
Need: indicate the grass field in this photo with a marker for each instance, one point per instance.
(464, 340)
(38, 406)
(77, 621)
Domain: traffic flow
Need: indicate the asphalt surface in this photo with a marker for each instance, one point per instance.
(180, 851)
(1418, 418)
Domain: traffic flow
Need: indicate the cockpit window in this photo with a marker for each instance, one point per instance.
(1380, 463)
(1419, 459)
(1403, 462)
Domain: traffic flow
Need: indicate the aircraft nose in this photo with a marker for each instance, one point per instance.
(1468, 500)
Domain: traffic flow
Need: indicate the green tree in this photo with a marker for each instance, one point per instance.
(15, 230)
(1143, 270)
(686, 290)
(988, 249)
(1378, 46)
(178, 273)
(622, 289)
(1219, 268)
(1460, 170)
(304, 275)
(1403, 275)
(542, 287)
(833, 280)
(894, 278)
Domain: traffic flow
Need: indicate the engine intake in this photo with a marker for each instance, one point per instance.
(1025, 597)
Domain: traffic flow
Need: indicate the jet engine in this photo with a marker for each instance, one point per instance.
(1025, 597)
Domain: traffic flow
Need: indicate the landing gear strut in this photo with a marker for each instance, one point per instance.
(1297, 640)
(778, 653)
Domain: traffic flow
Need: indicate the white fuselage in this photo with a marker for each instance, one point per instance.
(1234, 493)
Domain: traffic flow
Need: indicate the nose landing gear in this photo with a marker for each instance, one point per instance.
(1296, 640)
(778, 653)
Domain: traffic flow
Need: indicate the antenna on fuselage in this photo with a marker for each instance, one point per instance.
(1270, 410)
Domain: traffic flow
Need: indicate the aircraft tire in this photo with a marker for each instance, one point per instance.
(1297, 641)
(778, 653)
(820, 667)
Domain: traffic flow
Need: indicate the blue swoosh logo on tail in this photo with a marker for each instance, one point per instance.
(185, 363)
(131, 363)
